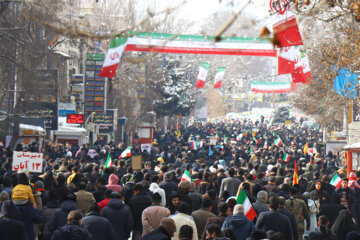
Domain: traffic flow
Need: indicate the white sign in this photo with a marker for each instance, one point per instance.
(213, 140)
(92, 153)
(146, 147)
(27, 161)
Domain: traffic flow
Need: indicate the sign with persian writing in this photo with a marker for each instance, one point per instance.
(27, 161)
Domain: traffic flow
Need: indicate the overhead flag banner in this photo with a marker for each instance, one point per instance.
(219, 77)
(192, 44)
(287, 59)
(184, 44)
(113, 55)
(203, 71)
(274, 87)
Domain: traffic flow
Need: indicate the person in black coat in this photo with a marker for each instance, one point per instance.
(59, 219)
(169, 186)
(332, 209)
(29, 216)
(324, 232)
(137, 204)
(72, 230)
(275, 221)
(119, 216)
(10, 226)
(164, 232)
(99, 227)
(291, 216)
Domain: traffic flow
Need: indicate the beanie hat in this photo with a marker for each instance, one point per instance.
(39, 185)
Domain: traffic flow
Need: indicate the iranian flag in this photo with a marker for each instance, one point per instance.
(266, 144)
(126, 153)
(277, 142)
(274, 87)
(219, 77)
(336, 181)
(249, 211)
(186, 176)
(287, 59)
(203, 71)
(113, 55)
(108, 162)
(286, 28)
(286, 158)
(302, 73)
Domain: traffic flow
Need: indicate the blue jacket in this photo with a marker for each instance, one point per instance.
(240, 225)
(99, 227)
(72, 231)
(29, 216)
(119, 216)
(59, 219)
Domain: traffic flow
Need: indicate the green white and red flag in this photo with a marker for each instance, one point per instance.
(249, 211)
(277, 142)
(108, 162)
(274, 87)
(193, 44)
(126, 153)
(336, 181)
(113, 55)
(302, 73)
(186, 176)
(286, 158)
(266, 144)
(203, 72)
(287, 59)
(219, 77)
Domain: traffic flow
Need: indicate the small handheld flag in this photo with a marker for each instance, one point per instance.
(295, 176)
(210, 151)
(286, 158)
(186, 176)
(243, 199)
(336, 181)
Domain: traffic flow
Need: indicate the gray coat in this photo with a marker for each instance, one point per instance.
(230, 184)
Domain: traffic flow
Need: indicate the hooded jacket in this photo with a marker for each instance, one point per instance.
(72, 231)
(154, 188)
(59, 219)
(98, 226)
(240, 225)
(10, 226)
(114, 183)
(119, 216)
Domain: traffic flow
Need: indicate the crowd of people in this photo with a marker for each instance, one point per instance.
(187, 189)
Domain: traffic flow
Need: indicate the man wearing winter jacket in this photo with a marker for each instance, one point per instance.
(59, 219)
(72, 230)
(238, 223)
(119, 216)
(137, 204)
(98, 226)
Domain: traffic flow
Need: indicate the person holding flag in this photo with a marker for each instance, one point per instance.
(345, 194)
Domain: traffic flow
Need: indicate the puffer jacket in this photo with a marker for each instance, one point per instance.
(59, 219)
(119, 216)
(240, 225)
